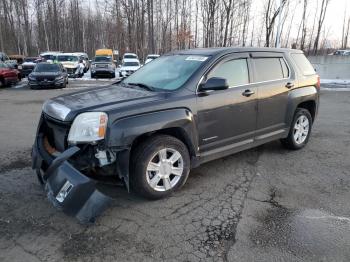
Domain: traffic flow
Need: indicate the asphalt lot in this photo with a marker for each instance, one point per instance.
(264, 204)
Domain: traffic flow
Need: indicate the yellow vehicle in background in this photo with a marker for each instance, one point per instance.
(107, 52)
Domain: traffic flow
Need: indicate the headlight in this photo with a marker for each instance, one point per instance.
(59, 78)
(88, 127)
(32, 78)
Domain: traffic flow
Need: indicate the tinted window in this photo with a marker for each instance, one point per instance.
(234, 71)
(130, 56)
(47, 68)
(285, 68)
(267, 69)
(103, 59)
(67, 58)
(131, 64)
(303, 64)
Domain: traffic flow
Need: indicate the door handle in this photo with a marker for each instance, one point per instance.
(289, 85)
(248, 92)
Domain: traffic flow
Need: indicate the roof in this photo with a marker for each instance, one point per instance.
(64, 54)
(130, 54)
(226, 50)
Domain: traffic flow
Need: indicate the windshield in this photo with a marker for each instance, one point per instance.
(103, 59)
(131, 64)
(67, 58)
(130, 56)
(47, 68)
(167, 72)
(30, 59)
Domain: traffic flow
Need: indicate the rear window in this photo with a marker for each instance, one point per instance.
(268, 69)
(303, 64)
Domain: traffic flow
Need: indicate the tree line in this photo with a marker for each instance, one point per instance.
(157, 26)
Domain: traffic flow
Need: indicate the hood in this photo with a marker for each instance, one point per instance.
(45, 73)
(28, 64)
(113, 97)
(129, 68)
(70, 64)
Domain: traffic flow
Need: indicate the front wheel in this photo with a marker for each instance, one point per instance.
(159, 166)
(300, 130)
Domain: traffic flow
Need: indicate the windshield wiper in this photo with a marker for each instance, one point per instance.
(144, 86)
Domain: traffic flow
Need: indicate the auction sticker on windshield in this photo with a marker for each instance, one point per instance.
(196, 58)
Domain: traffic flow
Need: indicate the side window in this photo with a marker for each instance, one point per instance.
(285, 69)
(268, 68)
(234, 71)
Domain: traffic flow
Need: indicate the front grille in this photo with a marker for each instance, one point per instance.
(71, 71)
(28, 67)
(45, 78)
(56, 132)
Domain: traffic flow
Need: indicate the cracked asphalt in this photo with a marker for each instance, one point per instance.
(264, 204)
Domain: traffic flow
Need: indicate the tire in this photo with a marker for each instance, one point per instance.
(93, 76)
(151, 150)
(2, 83)
(298, 137)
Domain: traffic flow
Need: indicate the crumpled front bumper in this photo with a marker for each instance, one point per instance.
(66, 187)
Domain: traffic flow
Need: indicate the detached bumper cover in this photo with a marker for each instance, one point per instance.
(82, 200)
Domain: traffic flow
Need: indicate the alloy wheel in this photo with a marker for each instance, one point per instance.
(301, 129)
(165, 169)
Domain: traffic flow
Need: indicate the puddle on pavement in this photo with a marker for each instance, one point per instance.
(307, 233)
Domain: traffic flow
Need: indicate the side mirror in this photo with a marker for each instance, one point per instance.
(119, 66)
(214, 83)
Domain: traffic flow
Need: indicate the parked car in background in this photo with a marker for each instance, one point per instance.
(28, 65)
(182, 110)
(151, 57)
(8, 75)
(5, 59)
(344, 52)
(72, 63)
(86, 62)
(107, 52)
(129, 67)
(103, 66)
(127, 56)
(50, 56)
(47, 75)
(18, 58)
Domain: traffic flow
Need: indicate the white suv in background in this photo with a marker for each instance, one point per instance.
(129, 66)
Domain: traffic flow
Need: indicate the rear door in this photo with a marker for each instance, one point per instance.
(273, 79)
(227, 118)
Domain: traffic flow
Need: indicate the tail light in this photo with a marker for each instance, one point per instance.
(318, 85)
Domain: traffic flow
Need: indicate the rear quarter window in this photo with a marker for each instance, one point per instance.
(303, 64)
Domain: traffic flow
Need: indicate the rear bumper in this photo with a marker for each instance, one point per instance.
(81, 199)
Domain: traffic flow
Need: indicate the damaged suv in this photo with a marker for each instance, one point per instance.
(183, 109)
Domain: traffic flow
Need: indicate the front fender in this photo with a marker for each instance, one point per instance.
(123, 132)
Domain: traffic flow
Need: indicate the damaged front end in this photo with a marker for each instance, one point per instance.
(71, 172)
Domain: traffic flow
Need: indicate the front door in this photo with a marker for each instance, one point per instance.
(227, 118)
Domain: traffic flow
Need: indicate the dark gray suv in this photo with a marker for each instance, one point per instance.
(183, 109)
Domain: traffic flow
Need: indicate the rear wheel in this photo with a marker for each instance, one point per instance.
(300, 130)
(160, 165)
(2, 83)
